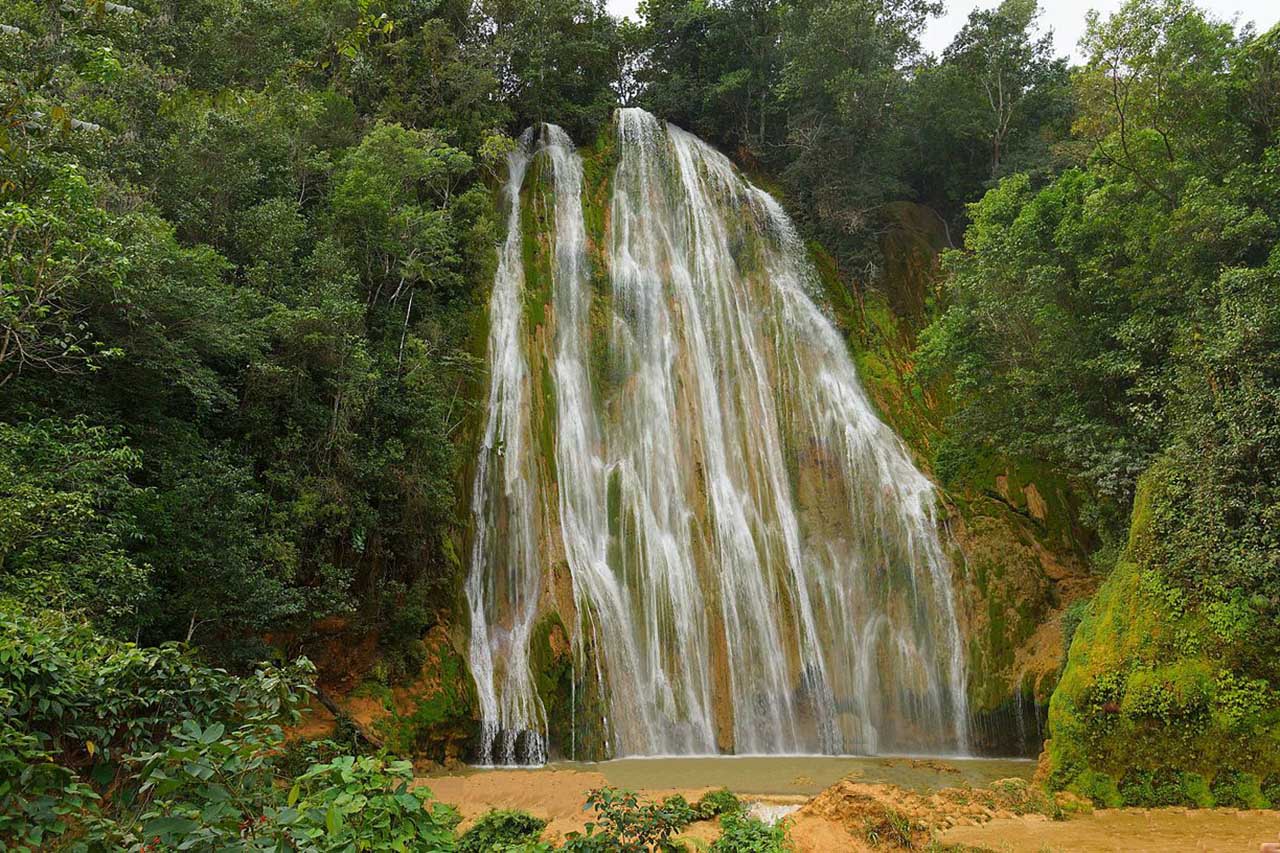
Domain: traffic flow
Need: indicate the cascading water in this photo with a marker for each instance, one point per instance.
(754, 560)
(507, 517)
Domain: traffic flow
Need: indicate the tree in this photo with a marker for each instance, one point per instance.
(67, 520)
(995, 103)
(1074, 304)
(997, 52)
(558, 61)
(843, 87)
(714, 68)
(58, 254)
(391, 206)
(1155, 93)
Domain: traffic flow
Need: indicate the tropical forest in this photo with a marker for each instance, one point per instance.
(740, 426)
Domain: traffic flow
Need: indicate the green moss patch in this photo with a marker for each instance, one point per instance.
(1152, 698)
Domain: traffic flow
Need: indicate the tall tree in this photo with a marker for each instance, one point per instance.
(843, 86)
(715, 67)
(994, 103)
(998, 51)
(558, 61)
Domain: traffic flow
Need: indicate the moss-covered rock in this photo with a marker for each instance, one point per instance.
(435, 717)
(551, 661)
(1152, 708)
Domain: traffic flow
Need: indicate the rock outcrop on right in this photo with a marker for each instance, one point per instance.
(1161, 701)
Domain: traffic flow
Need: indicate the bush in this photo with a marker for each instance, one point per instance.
(1241, 790)
(740, 833)
(501, 830)
(623, 823)
(1154, 788)
(82, 712)
(214, 792)
(1099, 788)
(1195, 790)
(1161, 683)
(679, 811)
(364, 803)
(720, 802)
(299, 754)
(1271, 790)
(191, 756)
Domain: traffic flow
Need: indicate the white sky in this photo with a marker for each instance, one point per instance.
(1065, 18)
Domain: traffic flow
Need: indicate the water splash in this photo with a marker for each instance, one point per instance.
(753, 555)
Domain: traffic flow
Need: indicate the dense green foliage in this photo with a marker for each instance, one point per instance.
(499, 830)
(246, 250)
(1121, 320)
(743, 834)
(623, 823)
(239, 309)
(105, 745)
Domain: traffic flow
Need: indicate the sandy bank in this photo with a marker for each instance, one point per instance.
(854, 815)
(1130, 830)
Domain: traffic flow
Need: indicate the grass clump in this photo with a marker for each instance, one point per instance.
(890, 828)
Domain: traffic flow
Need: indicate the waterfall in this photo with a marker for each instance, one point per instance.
(754, 561)
(507, 519)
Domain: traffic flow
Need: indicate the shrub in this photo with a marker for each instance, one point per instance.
(1098, 787)
(679, 812)
(1153, 788)
(1271, 790)
(500, 830)
(216, 790)
(81, 713)
(364, 803)
(1195, 791)
(740, 833)
(623, 823)
(720, 802)
(1242, 790)
(1022, 797)
(192, 757)
(299, 754)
